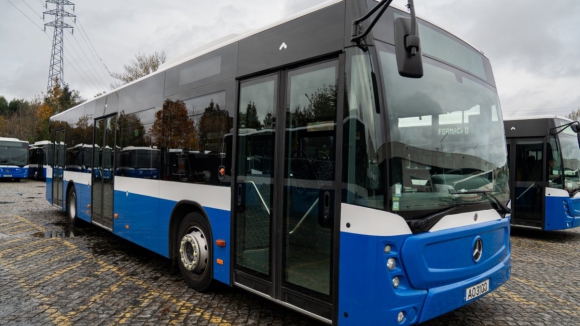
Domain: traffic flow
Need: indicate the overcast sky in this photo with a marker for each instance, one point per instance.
(533, 45)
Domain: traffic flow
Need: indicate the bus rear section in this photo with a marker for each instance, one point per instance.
(38, 159)
(13, 159)
(544, 154)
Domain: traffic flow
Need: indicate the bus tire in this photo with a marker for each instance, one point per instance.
(194, 252)
(71, 206)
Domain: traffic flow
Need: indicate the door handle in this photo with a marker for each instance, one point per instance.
(326, 205)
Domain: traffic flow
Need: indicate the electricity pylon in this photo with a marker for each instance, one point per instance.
(56, 70)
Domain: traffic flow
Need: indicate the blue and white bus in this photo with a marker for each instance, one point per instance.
(38, 159)
(297, 163)
(544, 154)
(13, 159)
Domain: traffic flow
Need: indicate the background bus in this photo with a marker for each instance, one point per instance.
(313, 175)
(544, 155)
(13, 159)
(38, 159)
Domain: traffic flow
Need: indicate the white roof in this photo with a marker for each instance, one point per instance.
(12, 139)
(232, 38)
(132, 148)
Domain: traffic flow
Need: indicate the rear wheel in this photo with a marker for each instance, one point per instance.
(194, 252)
(71, 206)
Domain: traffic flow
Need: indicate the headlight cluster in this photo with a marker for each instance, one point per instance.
(395, 272)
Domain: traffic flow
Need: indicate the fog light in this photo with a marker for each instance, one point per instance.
(396, 282)
(391, 264)
(387, 249)
(401, 317)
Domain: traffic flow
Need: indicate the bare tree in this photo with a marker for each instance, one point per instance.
(574, 115)
(142, 65)
(21, 124)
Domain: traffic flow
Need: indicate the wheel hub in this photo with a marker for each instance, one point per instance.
(193, 251)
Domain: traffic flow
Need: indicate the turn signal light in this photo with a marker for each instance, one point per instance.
(127, 227)
(220, 243)
(116, 215)
(219, 261)
(88, 206)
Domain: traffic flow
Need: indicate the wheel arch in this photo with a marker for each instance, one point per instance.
(178, 213)
(69, 186)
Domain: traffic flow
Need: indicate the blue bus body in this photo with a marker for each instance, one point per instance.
(313, 204)
(13, 158)
(545, 158)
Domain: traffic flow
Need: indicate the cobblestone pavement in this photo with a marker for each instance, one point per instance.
(52, 273)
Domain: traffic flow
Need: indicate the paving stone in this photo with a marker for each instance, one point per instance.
(87, 276)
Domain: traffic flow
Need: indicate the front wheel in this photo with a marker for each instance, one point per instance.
(194, 252)
(71, 206)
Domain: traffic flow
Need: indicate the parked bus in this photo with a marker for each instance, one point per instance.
(298, 163)
(138, 162)
(38, 159)
(544, 156)
(13, 159)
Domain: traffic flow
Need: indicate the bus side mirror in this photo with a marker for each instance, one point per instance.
(576, 129)
(407, 49)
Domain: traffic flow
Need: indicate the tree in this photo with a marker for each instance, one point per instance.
(58, 99)
(173, 128)
(3, 105)
(250, 119)
(143, 65)
(574, 115)
(21, 123)
(15, 104)
(213, 125)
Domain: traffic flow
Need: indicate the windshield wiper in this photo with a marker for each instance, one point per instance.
(426, 223)
(502, 209)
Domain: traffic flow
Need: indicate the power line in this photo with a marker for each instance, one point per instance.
(45, 34)
(75, 69)
(83, 78)
(90, 78)
(91, 43)
(93, 53)
(96, 74)
(26, 16)
(32, 10)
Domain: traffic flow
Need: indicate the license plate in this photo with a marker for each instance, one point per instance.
(7, 175)
(477, 290)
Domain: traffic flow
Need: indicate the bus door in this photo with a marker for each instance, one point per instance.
(527, 180)
(102, 172)
(58, 168)
(286, 191)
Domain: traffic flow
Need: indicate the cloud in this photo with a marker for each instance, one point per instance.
(531, 44)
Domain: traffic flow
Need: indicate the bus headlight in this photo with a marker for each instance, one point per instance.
(401, 317)
(396, 282)
(391, 264)
(387, 249)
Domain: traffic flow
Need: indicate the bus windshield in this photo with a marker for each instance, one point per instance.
(13, 154)
(446, 137)
(570, 158)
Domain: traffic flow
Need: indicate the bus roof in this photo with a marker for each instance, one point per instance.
(42, 142)
(536, 117)
(12, 139)
(232, 38)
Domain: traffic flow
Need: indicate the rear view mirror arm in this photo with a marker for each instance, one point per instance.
(356, 38)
